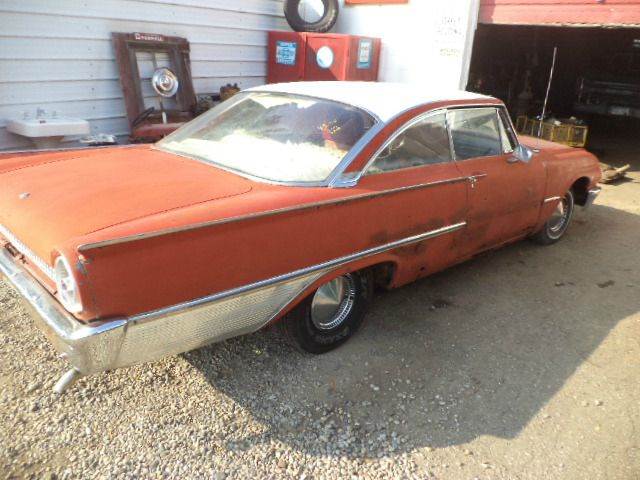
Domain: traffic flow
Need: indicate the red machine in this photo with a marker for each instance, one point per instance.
(297, 56)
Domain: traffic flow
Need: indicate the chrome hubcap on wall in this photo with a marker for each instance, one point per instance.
(560, 216)
(332, 303)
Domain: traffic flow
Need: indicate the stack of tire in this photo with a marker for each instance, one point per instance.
(322, 25)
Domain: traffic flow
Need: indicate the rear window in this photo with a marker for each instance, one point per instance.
(273, 136)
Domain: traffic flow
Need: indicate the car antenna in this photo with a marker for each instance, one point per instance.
(546, 97)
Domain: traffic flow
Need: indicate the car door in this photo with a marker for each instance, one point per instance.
(421, 191)
(504, 192)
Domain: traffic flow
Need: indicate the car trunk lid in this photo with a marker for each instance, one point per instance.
(45, 202)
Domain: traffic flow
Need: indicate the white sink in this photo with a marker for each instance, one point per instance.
(47, 132)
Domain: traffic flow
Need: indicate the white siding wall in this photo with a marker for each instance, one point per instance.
(57, 54)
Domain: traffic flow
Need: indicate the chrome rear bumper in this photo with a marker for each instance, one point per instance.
(122, 342)
(88, 348)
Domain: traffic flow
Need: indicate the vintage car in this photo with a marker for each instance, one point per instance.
(288, 203)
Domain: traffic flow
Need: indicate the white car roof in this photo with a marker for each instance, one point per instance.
(384, 99)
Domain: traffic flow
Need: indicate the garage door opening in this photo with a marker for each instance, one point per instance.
(596, 80)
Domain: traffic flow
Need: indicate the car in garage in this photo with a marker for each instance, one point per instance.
(612, 95)
(286, 204)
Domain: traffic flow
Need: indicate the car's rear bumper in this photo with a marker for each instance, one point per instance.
(88, 348)
(120, 342)
(591, 196)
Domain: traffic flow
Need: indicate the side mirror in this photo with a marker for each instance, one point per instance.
(522, 153)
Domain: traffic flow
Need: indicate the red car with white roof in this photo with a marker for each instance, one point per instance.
(288, 203)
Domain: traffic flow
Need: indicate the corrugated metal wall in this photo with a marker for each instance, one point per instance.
(57, 55)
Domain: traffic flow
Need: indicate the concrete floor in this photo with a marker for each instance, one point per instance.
(521, 364)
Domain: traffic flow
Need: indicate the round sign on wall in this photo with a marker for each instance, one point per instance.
(324, 57)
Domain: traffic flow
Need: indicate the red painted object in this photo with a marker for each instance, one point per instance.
(567, 12)
(299, 56)
(286, 51)
(166, 252)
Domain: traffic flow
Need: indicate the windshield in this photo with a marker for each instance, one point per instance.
(273, 136)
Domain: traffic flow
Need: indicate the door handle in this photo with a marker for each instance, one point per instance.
(473, 179)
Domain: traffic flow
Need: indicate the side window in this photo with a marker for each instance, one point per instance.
(422, 144)
(475, 132)
(507, 137)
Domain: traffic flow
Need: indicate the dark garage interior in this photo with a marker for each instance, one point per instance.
(596, 80)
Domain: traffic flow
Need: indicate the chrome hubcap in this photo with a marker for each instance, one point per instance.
(559, 217)
(332, 303)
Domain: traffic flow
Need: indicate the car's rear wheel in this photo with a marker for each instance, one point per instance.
(331, 314)
(558, 222)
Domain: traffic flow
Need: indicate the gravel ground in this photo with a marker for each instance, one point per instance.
(521, 364)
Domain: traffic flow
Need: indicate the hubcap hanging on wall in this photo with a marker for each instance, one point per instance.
(165, 82)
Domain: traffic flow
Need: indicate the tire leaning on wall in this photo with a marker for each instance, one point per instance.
(324, 24)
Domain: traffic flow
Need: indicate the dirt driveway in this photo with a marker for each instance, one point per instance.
(521, 364)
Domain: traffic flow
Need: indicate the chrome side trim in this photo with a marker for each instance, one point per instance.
(238, 311)
(452, 148)
(167, 231)
(43, 266)
(550, 199)
(302, 272)
(178, 328)
(193, 325)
